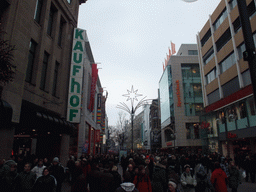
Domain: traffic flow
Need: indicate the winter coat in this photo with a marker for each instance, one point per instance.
(218, 179)
(79, 184)
(58, 172)
(38, 170)
(106, 182)
(159, 179)
(7, 176)
(234, 178)
(117, 179)
(142, 183)
(131, 176)
(24, 181)
(94, 180)
(127, 187)
(45, 184)
(188, 182)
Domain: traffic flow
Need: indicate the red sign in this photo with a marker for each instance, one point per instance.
(93, 86)
(97, 136)
(232, 135)
(169, 143)
(204, 125)
(178, 93)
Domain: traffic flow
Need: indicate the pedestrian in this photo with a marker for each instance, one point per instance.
(127, 186)
(79, 183)
(188, 179)
(38, 169)
(71, 167)
(172, 186)
(142, 181)
(8, 172)
(131, 172)
(25, 180)
(246, 165)
(94, 178)
(201, 178)
(219, 178)
(46, 162)
(45, 183)
(159, 178)
(57, 170)
(117, 177)
(234, 179)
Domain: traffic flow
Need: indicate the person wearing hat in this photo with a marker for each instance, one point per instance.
(172, 186)
(188, 179)
(57, 170)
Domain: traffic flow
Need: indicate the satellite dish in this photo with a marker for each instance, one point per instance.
(189, 1)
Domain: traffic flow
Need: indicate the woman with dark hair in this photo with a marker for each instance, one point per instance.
(45, 183)
(142, 180)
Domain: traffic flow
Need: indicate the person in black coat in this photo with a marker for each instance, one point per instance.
(94, 178)
(45, 183)
(117, 178)
(57, 170)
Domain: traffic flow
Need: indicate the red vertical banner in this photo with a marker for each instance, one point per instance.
(173, 48)
(99, 97)
(93, 86)
(97, 136)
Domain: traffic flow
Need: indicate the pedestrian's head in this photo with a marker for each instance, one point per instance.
(147, 161)
(130, 167)
(46, 171)
(216, 165)
(27, 167)
(136, 170)
(187, 168)
(40, 162)
(55, 161)
(142, 170)
(78, 163)
(172, 186)
(114, 168)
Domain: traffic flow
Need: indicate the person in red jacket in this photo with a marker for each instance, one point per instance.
(142, 181)
(219, 179)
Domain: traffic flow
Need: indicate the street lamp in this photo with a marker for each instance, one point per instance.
(132, 95)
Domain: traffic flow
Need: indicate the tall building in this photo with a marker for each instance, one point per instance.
(181, 101)
(226, 82)
(42, 32)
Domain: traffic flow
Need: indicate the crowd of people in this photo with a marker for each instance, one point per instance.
(159, 172)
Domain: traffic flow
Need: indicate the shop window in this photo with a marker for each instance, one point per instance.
(232, 114)
(242, 110)
(192, 131)
(252, 105)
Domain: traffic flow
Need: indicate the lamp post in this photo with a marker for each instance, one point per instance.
(132, 95)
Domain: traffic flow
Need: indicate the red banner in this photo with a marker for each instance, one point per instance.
(97, 136)
(93, 86)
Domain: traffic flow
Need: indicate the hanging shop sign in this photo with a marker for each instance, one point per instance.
(93, 86)
(76, 76)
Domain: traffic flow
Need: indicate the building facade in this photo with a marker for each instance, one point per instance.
(229, 105)
(42, 32)
(181, 100)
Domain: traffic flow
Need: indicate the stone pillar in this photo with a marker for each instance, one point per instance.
(64, 149)
(6, 144)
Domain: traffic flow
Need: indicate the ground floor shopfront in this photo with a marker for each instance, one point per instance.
(42, 133)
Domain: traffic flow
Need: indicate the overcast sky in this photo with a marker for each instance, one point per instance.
(130, 38)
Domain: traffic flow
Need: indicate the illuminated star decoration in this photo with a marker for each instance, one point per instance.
(132, 95)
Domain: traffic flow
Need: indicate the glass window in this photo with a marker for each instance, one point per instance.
(242, 110)
(213, 96)
(208, 56)
(237, 25)
(31, 59)
(246, 77)
(252, 105)
(232, 114)
(192, 52)
(50, 21)
(192, 131)
(227, 63)
(220, 20)
(251, 8)
(230, 87)
(62, 23)
(197, 89)
(38, 10)
(55, 78)
(254, 37)
(44, 71)
(206, 37)
(232, 4)
(223, 39)
(240, 50)
(211, 76)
